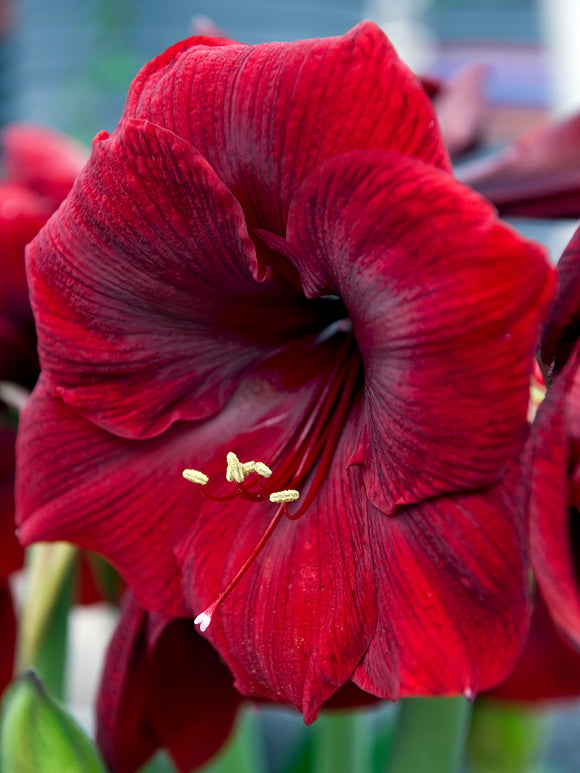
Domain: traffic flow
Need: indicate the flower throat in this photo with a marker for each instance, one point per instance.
(308, 453)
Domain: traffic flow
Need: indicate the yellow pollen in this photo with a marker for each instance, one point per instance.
(259, 468)
(235, 469)
(289, 495)
(195, 476)
(537, 394)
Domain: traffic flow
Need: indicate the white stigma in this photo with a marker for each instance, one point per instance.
(195, 476)
(289, 495)
(203, 620)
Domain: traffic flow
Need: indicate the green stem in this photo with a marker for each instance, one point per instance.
(430, 735)
(342, 743)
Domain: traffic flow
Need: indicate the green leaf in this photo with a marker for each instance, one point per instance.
(505, 738)
(39, 736)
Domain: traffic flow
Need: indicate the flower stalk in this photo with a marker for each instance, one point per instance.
(430, 735)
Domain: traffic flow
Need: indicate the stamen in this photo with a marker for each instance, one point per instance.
(195, 476)
(235, 469)
(259, 468)
(289, 495)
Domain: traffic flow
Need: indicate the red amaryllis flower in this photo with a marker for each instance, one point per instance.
(163, 686)
(548, 668)
(555, 519)
(269, 262)
(536, 176)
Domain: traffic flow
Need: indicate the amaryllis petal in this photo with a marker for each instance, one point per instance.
(429, 277)
(173, 694)
(302, 617)
(562, 329)
(67, 492)
(547, 669)
(554, 532)
(266, 116)
(186, 365)
(536, 176)
(41, 160)
(429, 560)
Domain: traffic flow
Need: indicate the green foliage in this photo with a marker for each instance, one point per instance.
(38, 736)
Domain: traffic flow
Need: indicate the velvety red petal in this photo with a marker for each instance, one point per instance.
(299, 620)
(176, 696)
(41, 160)
(167, 313)
(548, 668)
(454, 606)
(562, 329)
(76, 482)
(266, 116)
(7, 635)
(537, 176)
(445, 302)
(555, 501)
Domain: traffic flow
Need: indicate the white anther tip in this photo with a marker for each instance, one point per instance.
(195, 476)
(289, 495)
(469, 694)
(203, 620)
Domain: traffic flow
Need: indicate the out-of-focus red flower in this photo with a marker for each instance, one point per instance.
(39, 169)
(549, 667)
(555, 517)
(163, 686)
(461, 107)
(536, 176)
(269, 257)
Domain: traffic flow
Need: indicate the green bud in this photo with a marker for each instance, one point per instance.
(39, 736)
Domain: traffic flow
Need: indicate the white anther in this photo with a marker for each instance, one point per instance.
(235, 470)
(289, 495)
(195, 476)
(258, 467)
(203, 620)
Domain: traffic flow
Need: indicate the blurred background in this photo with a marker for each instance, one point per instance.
(67, 64)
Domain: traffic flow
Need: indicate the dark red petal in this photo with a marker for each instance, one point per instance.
(299, 621)
(454, 604)
(166, 313)
(555, 501)
(176, 696)
(41, 160)
(7, 635)
(76, 482)
(266, 116)
(548, 668)
(445, 302)
(537, 176)
(563, 327)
